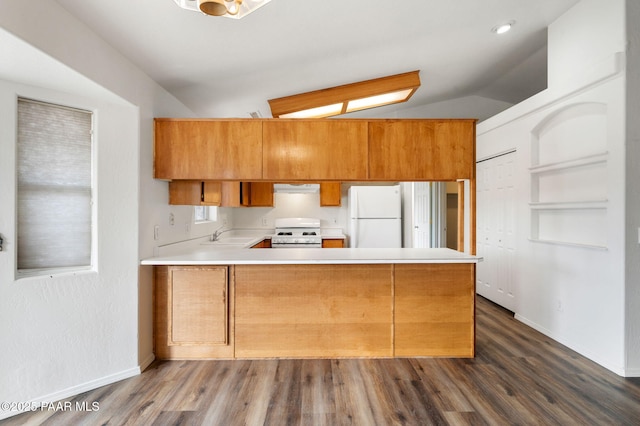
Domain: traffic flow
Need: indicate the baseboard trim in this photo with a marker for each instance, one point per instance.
(147, 362)
(582, 351)
(632, 372)
(78, 389)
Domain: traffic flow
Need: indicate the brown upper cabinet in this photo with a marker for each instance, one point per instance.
(314, 150)
(208, 149)
(330, 194)
(195, 193)
(223, 194)
(257, 194)
(419, 150)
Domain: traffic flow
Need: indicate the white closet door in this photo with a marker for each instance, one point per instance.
(495, 228)
(421, 215)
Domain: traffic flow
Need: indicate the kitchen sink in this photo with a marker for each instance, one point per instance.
(231, 240)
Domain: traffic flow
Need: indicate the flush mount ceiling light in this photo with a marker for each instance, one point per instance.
(347, 98)
(503, 28)
(235, 9)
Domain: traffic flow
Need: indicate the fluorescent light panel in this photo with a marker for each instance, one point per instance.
(319, 112)
(378, 100)
(347, 98)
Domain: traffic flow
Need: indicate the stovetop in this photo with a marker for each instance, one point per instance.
(297, 230)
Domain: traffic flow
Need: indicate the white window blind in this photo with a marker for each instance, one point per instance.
(54, 186)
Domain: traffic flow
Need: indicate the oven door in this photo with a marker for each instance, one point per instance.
(296, 245)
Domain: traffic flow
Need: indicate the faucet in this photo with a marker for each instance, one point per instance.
(216, 234)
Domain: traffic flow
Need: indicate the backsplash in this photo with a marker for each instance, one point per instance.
(290, 205)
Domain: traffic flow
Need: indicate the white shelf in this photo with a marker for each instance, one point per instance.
(568, 244)
(574, 162)
(570, 205)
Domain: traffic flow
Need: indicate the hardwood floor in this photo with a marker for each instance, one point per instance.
(517, 377)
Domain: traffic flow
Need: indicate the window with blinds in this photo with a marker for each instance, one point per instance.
(205, 214)
(54, 176)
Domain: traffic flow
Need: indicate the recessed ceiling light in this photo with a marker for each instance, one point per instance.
(503, 28)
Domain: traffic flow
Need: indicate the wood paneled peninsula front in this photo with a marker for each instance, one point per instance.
(314, 303)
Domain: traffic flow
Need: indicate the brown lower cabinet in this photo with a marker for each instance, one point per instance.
(266, 243)
(193, 318)
(326, 243)
(333, 243)
(434, 309)
(315, 311)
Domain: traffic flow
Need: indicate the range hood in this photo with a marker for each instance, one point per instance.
(296, 188)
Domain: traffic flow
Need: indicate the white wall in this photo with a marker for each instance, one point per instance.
(571, 292)
(60, 332)
(583, 38)
(466, 107)
(66, 334)
(632, 270)
(292, 205)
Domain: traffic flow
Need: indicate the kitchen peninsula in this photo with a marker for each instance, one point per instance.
(221, 302)
(319, 303)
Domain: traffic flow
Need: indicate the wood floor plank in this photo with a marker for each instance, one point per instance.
(409, 400)
(285, 403)
(352, 405)
(436, 377)
(318, 401)
(252, 400)
(518, 376)
(222, 396)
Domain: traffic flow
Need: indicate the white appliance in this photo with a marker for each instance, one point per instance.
(296, 188)
(375, 216)
(297, 232)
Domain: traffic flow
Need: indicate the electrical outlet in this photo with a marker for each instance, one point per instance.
(187, 227)
(224, 221)
(172, 219)
(264, 221)
(156, 232)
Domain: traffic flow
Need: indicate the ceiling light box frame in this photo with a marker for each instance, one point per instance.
(347, 98)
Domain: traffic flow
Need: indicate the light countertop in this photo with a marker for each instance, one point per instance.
(237, 254)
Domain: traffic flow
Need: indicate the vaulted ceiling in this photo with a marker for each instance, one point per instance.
(222, 67)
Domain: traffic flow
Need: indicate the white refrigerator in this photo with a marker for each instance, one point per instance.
(375, 214)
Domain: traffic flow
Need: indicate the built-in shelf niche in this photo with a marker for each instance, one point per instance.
(569, 186)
